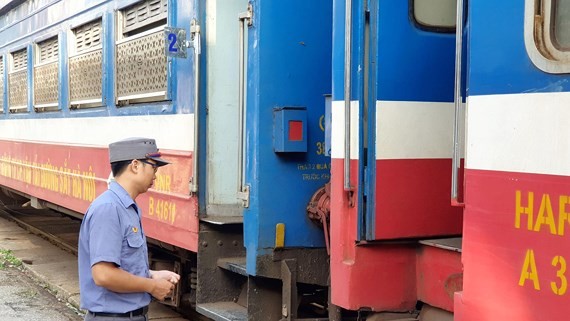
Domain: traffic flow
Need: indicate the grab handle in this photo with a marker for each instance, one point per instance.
(242, 189)
(456, 158)
(195, 37)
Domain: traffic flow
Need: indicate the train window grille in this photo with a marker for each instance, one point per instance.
(18, 82)
(434, 15)
(143, 16)
(141, 64)
(1, 84)
(547, 34)
(46, 76)
(86, 65)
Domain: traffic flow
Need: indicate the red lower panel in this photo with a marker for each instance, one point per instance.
(439, 276)
(516, 252)
(413, 199)
(366, 276)
(72, 176)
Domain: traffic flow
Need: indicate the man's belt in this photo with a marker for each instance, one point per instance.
(134, 313)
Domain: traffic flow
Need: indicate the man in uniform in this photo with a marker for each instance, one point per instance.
(114, 275)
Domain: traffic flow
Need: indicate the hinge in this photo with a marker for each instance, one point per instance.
(195, 36)
(243, 195)
(248, 15)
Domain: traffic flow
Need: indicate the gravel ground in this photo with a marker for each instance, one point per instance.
(21, 299)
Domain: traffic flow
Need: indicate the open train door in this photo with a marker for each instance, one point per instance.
(222, 197)
(391, 174)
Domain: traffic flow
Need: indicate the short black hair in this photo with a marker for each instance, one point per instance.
(119, 167)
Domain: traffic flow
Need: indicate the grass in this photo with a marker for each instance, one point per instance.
(7, 259)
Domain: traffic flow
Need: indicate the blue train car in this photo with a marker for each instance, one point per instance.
(233, 92)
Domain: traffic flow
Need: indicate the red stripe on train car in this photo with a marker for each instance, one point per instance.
(72, 176)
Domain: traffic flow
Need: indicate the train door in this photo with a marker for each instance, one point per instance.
(223, 156)
(515, 247)
(401, 122)
(408, 116)
(391, 174)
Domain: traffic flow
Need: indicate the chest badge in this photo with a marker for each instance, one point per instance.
(135, 229)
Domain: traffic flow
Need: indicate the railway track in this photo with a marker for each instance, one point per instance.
(59, 229)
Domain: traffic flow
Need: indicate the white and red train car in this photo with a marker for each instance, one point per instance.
(451, 188)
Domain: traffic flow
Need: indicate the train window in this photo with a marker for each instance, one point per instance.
(86, 66)
(1, 84)
(46, 84)
(561, 24)
(141, 74)
(88, 36)
(18, 81)
(143, 16)
(435, 15)
(547, 34)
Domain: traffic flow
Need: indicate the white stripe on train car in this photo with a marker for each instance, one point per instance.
(337, 133)
(174, 132)
(526, 133)
(405, 130)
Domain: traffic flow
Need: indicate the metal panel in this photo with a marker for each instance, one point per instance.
(144, 13)
(48, 50)
(20, 59)
(85, 76)
(141, 67)
(88, 35)
(18, 89)
(46, 84)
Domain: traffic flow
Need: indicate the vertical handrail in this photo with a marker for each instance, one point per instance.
(347, 89)
(456, 158)
(195, 36)
(241, 103)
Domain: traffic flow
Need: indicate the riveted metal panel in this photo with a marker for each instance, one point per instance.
(88, 35)
(48, 50)
(20, 59)
(46, 84)
(85, 76)
(18, 89)
(141, 66)
(143, 14)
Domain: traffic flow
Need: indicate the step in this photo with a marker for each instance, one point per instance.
(222, 220)
(439, 272)
(223, 311)
(451, 244)
(233, 264)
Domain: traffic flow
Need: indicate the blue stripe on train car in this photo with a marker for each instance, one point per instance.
(18, 31)
(512, 69)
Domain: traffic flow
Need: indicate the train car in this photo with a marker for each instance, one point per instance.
(449, 119)
(234, 93)
(391, 173)
(446, 128)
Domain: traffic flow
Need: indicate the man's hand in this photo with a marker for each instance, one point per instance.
(161, 289)
(165, 275)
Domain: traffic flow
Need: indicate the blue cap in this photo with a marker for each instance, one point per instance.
(135, 148)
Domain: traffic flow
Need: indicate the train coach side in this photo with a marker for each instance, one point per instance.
(77, 75)
(517, 171)
(248, 152)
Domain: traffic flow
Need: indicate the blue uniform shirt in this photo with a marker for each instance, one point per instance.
(111, 232)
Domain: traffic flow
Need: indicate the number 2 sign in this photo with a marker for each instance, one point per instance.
(175, 42)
